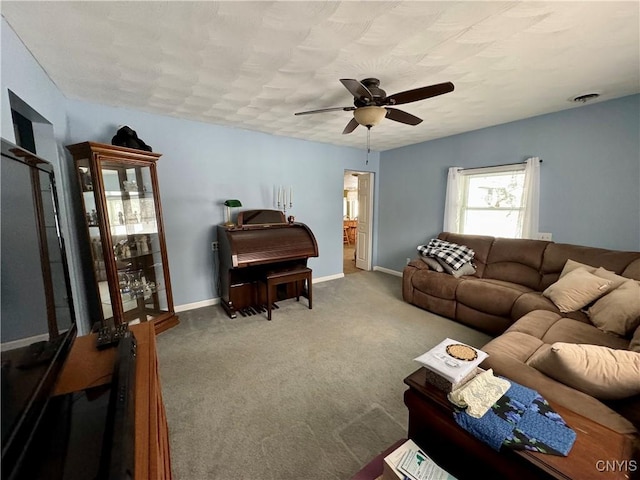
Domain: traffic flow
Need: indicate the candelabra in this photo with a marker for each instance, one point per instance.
(283, 201)
(283, 206)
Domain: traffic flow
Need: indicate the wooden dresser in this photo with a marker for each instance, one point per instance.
(88, 367)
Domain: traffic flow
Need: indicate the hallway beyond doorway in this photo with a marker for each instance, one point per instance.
(349, 260)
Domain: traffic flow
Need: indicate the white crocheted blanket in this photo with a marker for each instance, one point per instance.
(479, 394)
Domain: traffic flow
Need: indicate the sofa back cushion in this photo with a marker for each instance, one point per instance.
(632, 270)
(516, 260)
(480, 244)
(557, 254)
(537, 263)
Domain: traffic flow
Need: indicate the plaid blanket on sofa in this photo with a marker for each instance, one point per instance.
(451, 253)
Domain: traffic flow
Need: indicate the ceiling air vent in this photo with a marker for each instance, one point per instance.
(587, 97)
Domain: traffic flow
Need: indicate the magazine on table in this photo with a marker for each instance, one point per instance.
(409, 462)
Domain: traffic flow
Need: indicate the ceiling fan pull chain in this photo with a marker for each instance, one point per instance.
(368, 144)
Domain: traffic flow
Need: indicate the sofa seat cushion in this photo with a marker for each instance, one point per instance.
(517, 345)
(551, 327)
(441, 285)
(536, 323)
(490, 296)
(502, 361)
(531, 301)
(572, 331)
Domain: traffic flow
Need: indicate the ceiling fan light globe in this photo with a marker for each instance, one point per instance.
(369, 116)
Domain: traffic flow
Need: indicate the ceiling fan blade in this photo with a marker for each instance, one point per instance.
(402, 116)
(419, 94)
(332, 109)
(357, 89)
(351, 126)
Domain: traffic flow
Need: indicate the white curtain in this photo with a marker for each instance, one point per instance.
(529, 219)
(452, 201)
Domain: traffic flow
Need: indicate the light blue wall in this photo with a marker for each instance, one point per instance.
(590, 177)
(23, 76)
(202, 165)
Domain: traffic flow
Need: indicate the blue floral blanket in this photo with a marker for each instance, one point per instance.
(521, 420)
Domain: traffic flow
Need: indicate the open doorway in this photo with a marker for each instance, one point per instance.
(356, 210)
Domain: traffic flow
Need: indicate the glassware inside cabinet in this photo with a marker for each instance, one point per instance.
(133, 227)
(93, 226)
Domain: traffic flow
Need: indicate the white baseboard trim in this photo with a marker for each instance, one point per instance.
(387, 270)
(327, 278)
(216, 301)
(191, 306)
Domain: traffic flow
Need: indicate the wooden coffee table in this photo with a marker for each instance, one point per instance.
(598, 452)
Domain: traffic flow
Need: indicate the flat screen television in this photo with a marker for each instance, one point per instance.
(37, 323)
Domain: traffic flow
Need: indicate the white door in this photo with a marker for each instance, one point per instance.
(365, 224)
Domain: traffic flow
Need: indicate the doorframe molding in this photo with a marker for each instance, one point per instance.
(371, 193)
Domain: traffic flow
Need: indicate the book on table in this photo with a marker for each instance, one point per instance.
(452, 360)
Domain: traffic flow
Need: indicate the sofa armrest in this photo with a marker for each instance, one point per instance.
(407, 274)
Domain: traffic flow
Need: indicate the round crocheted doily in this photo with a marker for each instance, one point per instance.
(462, 352)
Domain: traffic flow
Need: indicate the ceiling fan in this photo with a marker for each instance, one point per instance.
(371, 103)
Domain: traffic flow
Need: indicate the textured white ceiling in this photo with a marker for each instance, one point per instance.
(251, 65)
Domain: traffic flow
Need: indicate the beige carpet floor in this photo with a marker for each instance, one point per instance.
(313, 394)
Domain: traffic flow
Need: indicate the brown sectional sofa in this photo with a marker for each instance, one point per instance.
(510, 278)
(504, 299)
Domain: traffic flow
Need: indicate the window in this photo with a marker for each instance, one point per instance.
(23, 130)
(32, 131)
(492, 202)
(497, 201)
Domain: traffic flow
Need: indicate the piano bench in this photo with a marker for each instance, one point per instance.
(279, 277)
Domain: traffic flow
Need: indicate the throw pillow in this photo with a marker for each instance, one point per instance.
(601, 372)
(576, 289)
(571, 265)
(433, 263)
(616, 280)
(634, 346)
(465, 269)
(618, 312)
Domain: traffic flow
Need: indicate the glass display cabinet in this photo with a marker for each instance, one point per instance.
(124, 225)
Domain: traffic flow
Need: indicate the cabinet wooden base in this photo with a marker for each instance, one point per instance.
(162, 324)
